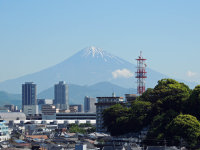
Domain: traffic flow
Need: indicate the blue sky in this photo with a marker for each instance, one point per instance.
(37, 34)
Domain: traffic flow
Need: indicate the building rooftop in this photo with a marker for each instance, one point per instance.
(111, 97)
(12, 116)
(37, 136)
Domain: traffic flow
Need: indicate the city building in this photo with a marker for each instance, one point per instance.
(11, 116)
(29, 94)
(43, 102)
(11, 108)
(34, 117)
(49, 112)
(76, 108)
(81, 147)
(61, 99)
(103, 103)
(31, 109)
(76, 116)
(4, 133)
(130, 97)
(89, 104)
(16, 109)
(4, 109)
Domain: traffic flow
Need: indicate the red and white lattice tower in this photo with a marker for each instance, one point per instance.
(141, 74)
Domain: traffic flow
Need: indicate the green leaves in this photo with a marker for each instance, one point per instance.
(162, 110)
(193, 104)
(167, 94)
(116, 118)
(186, 127)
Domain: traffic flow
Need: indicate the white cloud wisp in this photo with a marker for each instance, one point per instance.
(123, 73)
(191, 74)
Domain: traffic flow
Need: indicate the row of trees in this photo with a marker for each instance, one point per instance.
(171, 111)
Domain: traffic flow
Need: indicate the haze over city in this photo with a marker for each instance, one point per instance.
(35, 35)
(99, 75)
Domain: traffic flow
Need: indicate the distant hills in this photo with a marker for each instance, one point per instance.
(76, 93)
(7, 98)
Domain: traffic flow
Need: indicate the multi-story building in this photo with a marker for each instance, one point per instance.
(61, 99)
(130, 98)
(76, 108)
(76, 116)
(81, 147)
(43, 102)
(31, 109)
(4, 133)
(103, 103)
(49, 112)
(89, 104)
(11, 107)
(11, 116)
(29, 94)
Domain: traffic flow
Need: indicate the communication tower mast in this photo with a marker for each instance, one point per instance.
(141, 74)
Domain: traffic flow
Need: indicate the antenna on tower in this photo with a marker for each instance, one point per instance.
(141, 74)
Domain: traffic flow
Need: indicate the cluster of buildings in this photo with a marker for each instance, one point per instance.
(49, 109)
(41, 121)
(59, 108)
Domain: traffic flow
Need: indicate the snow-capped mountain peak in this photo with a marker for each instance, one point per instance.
(93, 51)
(98, 53)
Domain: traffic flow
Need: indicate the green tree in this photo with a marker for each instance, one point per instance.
(167, 94)
(140, 115)
(185, 127)
(168, 100)
(193, 104)
(76, 129)
(147, 95)
(157, 133)
(119, 119)
(115, 119)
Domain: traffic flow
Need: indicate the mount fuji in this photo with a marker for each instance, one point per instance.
(89, 66)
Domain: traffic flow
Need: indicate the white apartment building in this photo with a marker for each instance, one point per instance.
(31, 109)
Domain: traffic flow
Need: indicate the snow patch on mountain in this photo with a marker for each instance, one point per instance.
(93, 52)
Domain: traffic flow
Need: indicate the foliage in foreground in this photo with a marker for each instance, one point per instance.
(184, 127)
(159, 109)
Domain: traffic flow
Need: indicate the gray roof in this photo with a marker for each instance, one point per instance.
(12, 116)
(161, 148)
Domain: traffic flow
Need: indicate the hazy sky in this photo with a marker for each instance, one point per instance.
(36, 34)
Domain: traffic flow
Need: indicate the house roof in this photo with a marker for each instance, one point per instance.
(37, 136)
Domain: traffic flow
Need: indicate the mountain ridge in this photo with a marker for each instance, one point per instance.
(89, 66)
(76, 93)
